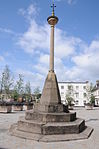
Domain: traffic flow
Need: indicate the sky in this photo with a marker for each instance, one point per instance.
(25, 39)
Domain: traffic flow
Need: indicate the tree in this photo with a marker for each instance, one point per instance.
(37, 93)
(20, 85)
(6, 81)
(0, 88)
(70, 95)
(28, 91)
(89, 94)
(15, 95)
(1, 85)
(28, 88)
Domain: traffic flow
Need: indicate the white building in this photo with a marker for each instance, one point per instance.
(79, 92)
(96, 93)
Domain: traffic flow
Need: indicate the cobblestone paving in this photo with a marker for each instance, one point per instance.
(11, 142)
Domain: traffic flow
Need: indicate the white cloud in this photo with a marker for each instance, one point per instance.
(35, 38)
(70, 2)
(65, 45)
(42, 66)
(6, 30)
(32, 9)
(35, 78)
(9, 32)
(30, 12)
(44, 59)
(1, 58)
(87, 62)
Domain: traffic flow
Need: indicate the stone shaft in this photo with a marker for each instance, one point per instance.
(52, 20)
(52, 49)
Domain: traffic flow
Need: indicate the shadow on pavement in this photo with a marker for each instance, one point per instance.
(2, 148)
(92, 120)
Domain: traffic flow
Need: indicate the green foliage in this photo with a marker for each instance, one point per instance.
(6, 83)
(69, 100)
(92, 99)
(37, 93)
(19, 87)
(89, 93)
(15, 95)
(27, 95)
(16, 91)
(70, 95)
(28, 88)
(6, 80)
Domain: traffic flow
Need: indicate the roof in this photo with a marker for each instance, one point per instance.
(71, 82)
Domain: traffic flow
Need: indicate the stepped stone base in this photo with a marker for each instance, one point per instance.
(50, 127)
(50, 138)
(50, 120)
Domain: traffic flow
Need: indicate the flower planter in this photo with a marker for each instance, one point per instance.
(70, 107)
(5, 108)
(88, 107)
(17, 107)
(27, 107)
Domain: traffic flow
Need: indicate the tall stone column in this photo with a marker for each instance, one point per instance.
(52, 20)
(52, 49)
(50, 95)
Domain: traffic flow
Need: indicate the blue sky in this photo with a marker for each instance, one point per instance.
(24, 39)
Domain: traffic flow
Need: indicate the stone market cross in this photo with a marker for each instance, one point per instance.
(50, 120)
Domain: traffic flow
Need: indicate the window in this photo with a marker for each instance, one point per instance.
(70, 87)
(76, 102)
(84, 95)
(77, 87)
(84, 101)
(62, 93)
(96, 102)
(62, 87)
(84, 87)
(77, 95)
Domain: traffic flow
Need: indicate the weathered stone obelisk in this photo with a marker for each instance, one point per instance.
(50, 120)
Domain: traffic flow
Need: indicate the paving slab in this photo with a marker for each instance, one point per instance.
(10, 142)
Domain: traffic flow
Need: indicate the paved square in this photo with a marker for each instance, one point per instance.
(11, 142)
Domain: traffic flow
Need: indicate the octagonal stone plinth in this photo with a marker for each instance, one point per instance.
(50, 117)
(51, 128)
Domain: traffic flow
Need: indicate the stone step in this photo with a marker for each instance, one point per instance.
(50, 128)
(50, 117)
(64, 127)
(50, 138)
(30, 125)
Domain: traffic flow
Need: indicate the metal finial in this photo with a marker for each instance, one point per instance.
(53, 8)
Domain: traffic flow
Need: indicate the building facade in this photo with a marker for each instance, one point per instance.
(96, 93)
(78, 90)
